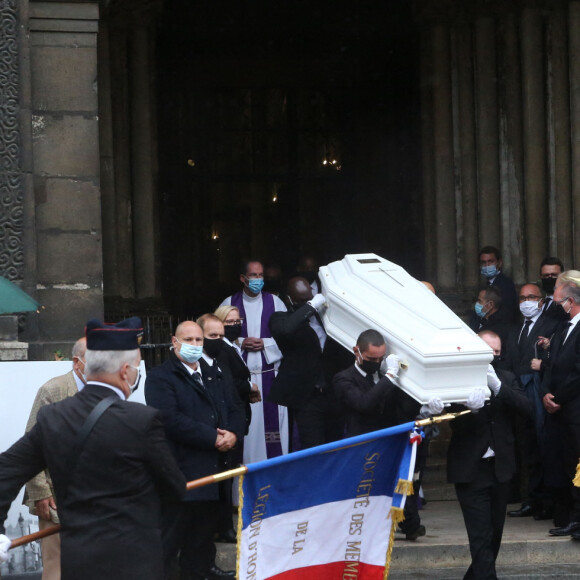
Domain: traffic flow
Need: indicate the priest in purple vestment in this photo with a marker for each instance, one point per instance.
(268, 435)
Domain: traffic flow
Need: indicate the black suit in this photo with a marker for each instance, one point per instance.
(232, 364)
(303, 383)
(562, 379)
(110, 507)
(482, 486)
(372, 406)
(192, 410)
(521, 349)
(509, 309)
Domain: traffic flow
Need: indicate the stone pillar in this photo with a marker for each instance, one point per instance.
(65, 166)
(427, 156)
(510, 135)
(560, 226)
(574, 57)
(487, 132)
(466, 156)
(536, 209)
(143, 163)
(445, 233)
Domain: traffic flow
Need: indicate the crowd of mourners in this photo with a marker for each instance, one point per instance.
(260, 377)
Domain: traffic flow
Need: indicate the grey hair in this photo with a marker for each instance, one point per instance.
(571, 289)
(108, 361)
(80, 347)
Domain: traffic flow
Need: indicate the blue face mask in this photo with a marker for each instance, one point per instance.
(256, 285)
(190, 353)
(489, 271)
(479, 310)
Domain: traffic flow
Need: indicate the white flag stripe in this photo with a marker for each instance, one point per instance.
(350, 530)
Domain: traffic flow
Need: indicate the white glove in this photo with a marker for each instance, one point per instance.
(5, 544)
(433, 407)
(493, 381)
(318, 301)
(392, 362)
(476, 400)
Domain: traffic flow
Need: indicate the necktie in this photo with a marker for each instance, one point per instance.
(525, 330)
(370, 379)
(546, 304)
(565, 331)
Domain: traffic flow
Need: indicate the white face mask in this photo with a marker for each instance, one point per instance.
(135, 385)
(529, 308)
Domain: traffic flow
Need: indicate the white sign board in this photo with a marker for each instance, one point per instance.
(443, 357)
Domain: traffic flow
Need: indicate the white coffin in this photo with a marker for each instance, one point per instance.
(441, 356)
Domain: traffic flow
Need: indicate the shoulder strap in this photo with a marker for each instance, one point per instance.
(84, 433)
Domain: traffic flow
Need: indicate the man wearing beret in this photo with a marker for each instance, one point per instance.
(110, 465)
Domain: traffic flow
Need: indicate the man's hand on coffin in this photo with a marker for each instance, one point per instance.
(391, 365)
(536, 364)
(253, 344)
(5, 544)
(476, 399)
(433, 407)
(318, 302)
(493, 381)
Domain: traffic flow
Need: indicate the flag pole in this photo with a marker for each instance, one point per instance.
(441, 418)
(215, 478)
(209, 479)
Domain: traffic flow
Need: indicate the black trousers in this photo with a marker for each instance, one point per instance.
(188, 530)
(319, 421)
(483, 503)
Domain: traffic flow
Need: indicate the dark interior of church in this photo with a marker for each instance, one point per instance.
(284, 129)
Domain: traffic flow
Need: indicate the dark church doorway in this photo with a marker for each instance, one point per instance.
(284, 128)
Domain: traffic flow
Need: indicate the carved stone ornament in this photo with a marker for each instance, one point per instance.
(11, 208)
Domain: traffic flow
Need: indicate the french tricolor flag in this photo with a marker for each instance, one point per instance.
(328, 512)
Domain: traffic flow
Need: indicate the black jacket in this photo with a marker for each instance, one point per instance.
(234, 367)
(109, 506)
(372, 407)
(192, 412)
(491, 426)
(304, 367)
(519, 355)
(562, 377)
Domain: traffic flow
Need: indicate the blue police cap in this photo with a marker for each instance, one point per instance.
(125, 335)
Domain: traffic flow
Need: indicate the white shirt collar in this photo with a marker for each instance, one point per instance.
(190, 370)
(79, 383)
(117, 390)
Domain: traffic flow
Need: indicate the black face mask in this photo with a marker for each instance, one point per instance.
(213, 346)
(548, 285)
(370, 367)
(496, 360)
(310, 275)
(232, 332)
(273, 285)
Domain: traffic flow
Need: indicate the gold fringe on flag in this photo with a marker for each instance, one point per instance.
(404, 487)
(397, 516)
(239, 537)
(576, 480)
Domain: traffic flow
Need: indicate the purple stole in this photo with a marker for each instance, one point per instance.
(271, 422)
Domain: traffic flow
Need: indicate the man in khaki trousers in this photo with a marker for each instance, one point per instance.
(39, 496)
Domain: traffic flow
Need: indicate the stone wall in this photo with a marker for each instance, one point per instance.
(501, 120)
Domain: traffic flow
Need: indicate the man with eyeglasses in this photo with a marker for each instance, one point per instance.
(524, 357)
(268, 434)
(561, 399)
